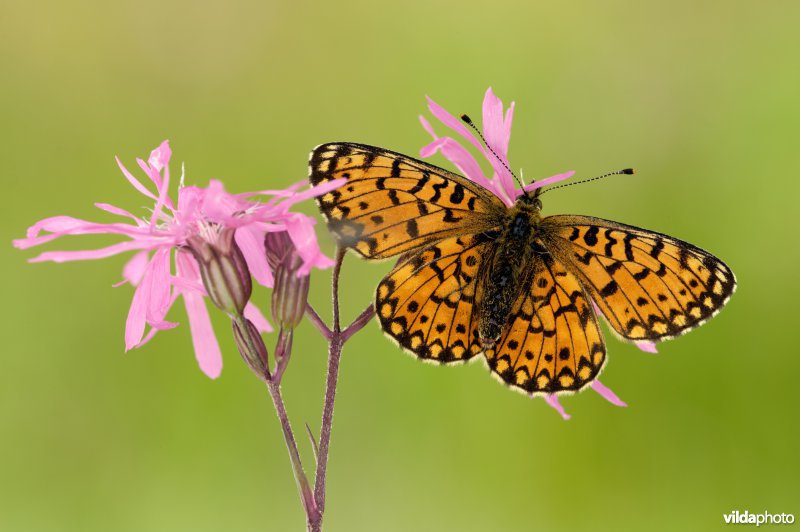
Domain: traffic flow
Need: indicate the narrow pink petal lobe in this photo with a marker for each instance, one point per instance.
(137, 317)
(133, 181)
(427, 127)
(461, 158)
(254, 314)
(647, 347)
(301, 230)
(606, 393)
(158, 301)
(453, 123)
(134, 269)
(552, 400)
(549, 180)
(206, 347)
(251, 242)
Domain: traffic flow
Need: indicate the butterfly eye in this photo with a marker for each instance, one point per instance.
(537, 204)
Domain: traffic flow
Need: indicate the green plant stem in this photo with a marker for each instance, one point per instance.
(303, 487)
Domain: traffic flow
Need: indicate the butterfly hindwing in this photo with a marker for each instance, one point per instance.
(392, 203)
(427, 301)
(552, 342)
(649, 286)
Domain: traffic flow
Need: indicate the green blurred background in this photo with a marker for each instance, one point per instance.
(700, 97)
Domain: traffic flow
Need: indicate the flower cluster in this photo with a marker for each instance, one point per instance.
(208, 243)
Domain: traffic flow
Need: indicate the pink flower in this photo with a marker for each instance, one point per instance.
(497, 131)
(200, 215)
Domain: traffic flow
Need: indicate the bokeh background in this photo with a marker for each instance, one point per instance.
(700, 97)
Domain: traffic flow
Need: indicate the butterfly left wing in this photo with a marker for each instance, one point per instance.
(427, 301)
(392, 203)
(649, 286)
(552, 341)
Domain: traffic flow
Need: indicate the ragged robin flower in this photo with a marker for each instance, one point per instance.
(205, 224)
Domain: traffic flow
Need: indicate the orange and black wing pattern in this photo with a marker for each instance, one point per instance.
(649, 286)
(552, 342)
(392, 203)
(427, 302)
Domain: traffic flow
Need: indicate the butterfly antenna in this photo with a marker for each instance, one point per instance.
(626, 171)
(467, 120)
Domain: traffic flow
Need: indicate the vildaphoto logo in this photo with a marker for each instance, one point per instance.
(746, 518)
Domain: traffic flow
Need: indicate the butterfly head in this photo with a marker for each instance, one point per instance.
(531, 200)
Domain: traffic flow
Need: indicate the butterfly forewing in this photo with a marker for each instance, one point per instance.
(552, 342)
(392, 203)
(427, 302)
(649, 286)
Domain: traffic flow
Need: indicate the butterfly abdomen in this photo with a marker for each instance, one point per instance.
(506, 270)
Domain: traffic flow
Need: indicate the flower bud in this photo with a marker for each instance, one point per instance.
(251, 347)
(290, 292)
(223, 269)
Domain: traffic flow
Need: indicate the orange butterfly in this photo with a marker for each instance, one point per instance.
(475, 275)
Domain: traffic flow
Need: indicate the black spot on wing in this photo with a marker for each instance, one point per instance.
(458, 194)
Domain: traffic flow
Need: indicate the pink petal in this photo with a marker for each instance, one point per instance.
(189, 200)
(312, 192)
(134, 269)
(453, 123)
(427, 127)
(460, 157)
(647, 347)
(67, 225)
(116, 210)
(251, 242)
(159, 157)
(285, 193)
(549, 180)
(151, 300)
(158, 301)
(183, 284)
(431, 149)
(552, 400)
(607, 394)
(137, 315)
(507, 133)
(62, 225)
(220, 206)
(494, 129)
(254, 314)
(163, 189)
(153, 330)
(188, 275)
(301, 230)
(206, 347)
(152, 173)
(66, 256)
(133, 181)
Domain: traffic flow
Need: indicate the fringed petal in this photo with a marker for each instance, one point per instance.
(606, 393)
(552, 400)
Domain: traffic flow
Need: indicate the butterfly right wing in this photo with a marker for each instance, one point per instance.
(392, 203)
(427, 302)
(649, 286)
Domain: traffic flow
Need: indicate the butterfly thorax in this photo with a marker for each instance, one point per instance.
(514, 248)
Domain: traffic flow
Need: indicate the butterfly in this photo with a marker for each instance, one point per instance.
(475, 276)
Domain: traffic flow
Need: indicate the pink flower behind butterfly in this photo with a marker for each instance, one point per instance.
(162, 241)
(497, 132)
